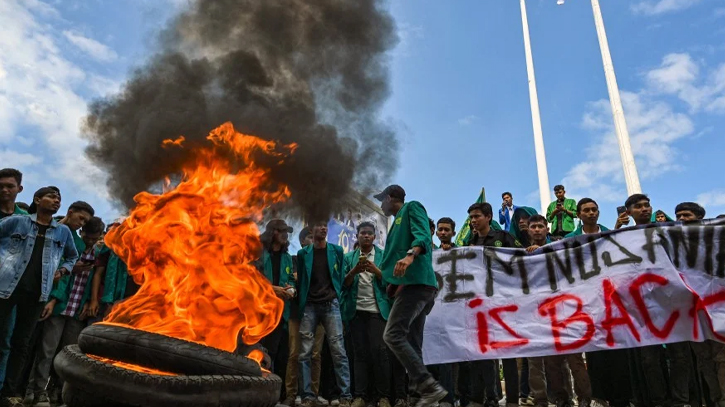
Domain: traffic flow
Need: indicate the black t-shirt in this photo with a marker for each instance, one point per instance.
(321, 288)
(5, 215)
(33, 275)
(495, 238)
(276, 265)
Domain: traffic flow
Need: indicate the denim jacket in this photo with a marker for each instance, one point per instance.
(17, 237)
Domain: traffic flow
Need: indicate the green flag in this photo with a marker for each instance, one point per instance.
(464, 235)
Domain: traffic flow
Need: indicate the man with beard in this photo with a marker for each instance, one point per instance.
(408, 264)
(31, 248)
(276, 265)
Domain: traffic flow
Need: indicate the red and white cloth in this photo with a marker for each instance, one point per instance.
(79, 285)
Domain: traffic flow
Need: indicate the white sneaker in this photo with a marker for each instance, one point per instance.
(298, 400)
(335, 402)
(321, 401)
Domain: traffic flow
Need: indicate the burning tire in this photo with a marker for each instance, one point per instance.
(163, 352)
(93, 383)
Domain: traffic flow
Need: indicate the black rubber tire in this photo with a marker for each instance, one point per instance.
(163, 352)
(92, 383)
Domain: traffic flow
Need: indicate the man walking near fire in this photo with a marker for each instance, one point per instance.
(407, 263)
(319, 274)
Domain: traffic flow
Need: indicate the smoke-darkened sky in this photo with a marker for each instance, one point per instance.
(313, 72)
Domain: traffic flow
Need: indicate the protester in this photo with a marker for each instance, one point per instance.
(608, 369)
(443, 372)
(705, 352)
(292, 377)
(408, 264)
(588, 211)
(484, 373)
(63, 316)
(561, 213)
(10, 186)
(31, 248)
(319, 268)
(649, 384)
(556, 375)
(365, 307)
(446, 231)
(78, 214)
(506, 213)
(276, 265)
(520, 224)
(689, 211)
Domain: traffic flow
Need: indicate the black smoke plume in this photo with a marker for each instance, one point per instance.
(313, 72)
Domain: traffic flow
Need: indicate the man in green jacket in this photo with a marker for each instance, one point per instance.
(588, 211)
(365, 307)
(276, 265)
(561, 213)
(407, 263)
(319, 285)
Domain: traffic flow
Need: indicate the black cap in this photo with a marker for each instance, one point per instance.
(393, 191)
(278, 224)
(33, 208)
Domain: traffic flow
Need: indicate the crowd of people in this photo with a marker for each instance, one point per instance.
(351, 333)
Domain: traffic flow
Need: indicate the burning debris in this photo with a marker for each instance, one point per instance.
(191, 250)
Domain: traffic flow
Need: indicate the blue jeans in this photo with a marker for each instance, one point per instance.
(5, 346)
(328, 314)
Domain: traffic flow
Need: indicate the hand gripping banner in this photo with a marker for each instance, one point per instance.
(640, 286)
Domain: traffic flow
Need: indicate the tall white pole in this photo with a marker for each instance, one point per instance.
(544, 193)
(620, 124)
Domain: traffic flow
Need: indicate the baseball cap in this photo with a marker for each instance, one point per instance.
(278, 224)
(393, 191)
(33, 208)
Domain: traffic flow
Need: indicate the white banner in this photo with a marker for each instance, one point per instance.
(620, 289)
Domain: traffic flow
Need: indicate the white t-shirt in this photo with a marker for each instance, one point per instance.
(365, 292)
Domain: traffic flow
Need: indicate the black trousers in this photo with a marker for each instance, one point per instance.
(484, 376)
(277, 345)
(28, 309)
(609, 375)
(444, 374)
(372, 359)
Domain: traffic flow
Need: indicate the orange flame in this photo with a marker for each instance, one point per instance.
(130, 366)
(190, 248)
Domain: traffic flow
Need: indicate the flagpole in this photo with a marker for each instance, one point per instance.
(543, 173)
(620, 124)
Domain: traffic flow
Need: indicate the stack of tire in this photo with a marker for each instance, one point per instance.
(198, 375)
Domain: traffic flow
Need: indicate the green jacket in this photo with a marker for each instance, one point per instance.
(567, 221)
(19, 211)
(114, 283)
(348, 305)
(61, 290)
(580, 231)
(285, 275)
(335, 257)
(410, 229)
